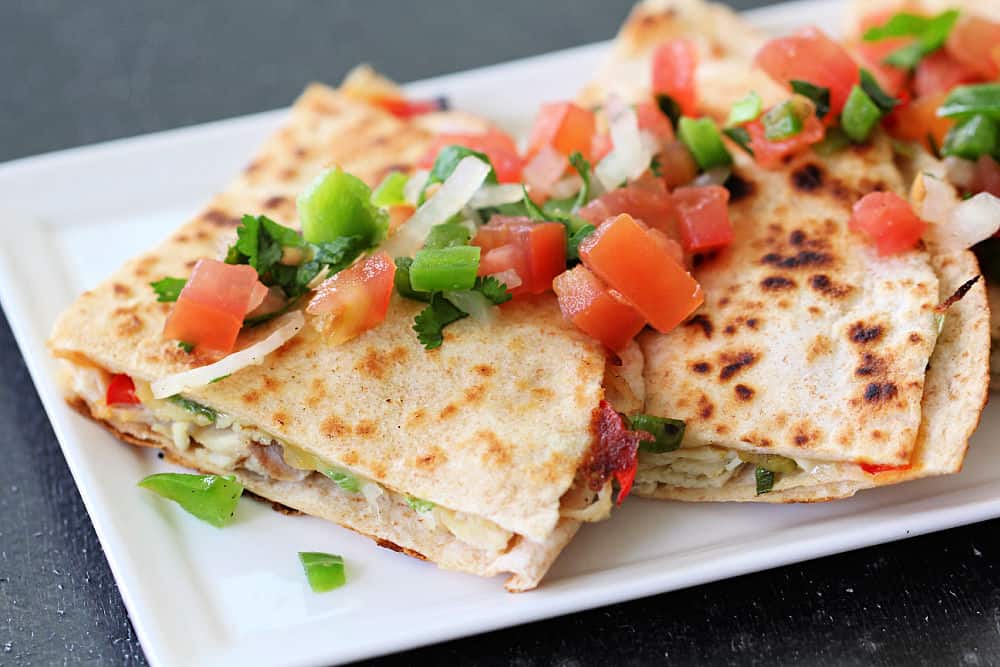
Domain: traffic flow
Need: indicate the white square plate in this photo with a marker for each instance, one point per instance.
(202, 596)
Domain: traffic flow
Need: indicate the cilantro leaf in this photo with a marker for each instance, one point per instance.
(582, 167)
(430, 322)
(883, 100)
(168, 289)
(930, 32)
(447, 159)
(670, 108)
(494, 290)
(819, 95)
(740, 137)
(186, 346)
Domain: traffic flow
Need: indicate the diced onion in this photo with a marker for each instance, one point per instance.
(373, 494)
(544, 170)
(714, 176)
(413, 187)
(629, 157)
(933, 198)
(450, 198)
(959, 171)
(495, 195)
(972, 221)
(290, 324)
(508, 277)
(475, 304)
(566, 187)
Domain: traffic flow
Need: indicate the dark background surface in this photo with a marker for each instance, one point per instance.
(77, 72)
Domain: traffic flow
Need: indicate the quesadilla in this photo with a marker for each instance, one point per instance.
(481, 455)
(817, 365)
(935, 148)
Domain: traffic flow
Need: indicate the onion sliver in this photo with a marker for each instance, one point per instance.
(972, 221)
(289, 325)
(629, 157)
(495, 195)
(450, 198)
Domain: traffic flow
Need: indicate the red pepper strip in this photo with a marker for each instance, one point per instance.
(872, 469)
(121, 391)
(617, 451)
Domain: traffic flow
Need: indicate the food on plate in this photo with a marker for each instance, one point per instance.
(343, 352)
(943, 61)
(840, 346)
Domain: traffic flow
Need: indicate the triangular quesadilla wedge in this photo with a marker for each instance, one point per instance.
(812, 355)
(478, 455)
(960, 61)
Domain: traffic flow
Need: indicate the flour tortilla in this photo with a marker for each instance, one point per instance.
(495, 423)
(809, 345)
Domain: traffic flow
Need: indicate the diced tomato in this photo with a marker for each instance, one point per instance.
(622, 254)
(917, 120)
(677, 164)
(497, 145)
(703, 217)
(975, 43)
(674, 64)
(645, 199)
(654, 121)
(400, 107)
(564, 126)
(210, 309)
(809, 55)
(772, 153)
(874, 468)
(986, 177)
(889, 222)
(595, 309)
(672, 247)
(536, 250)
(357, 297)
(872, 54)
(121, 391)
(600, 146)
(939, 72)
(543, 171)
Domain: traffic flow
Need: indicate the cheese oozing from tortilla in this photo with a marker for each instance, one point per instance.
(231, 445)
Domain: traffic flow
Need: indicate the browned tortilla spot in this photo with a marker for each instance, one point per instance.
(808, 178)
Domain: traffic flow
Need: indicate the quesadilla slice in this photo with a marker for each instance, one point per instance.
(481, 453)
(825, 359)
(945, 147)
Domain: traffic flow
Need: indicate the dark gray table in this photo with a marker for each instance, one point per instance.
(74, 72)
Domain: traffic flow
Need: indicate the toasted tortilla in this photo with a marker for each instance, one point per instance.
(809, 345)
(494, 424)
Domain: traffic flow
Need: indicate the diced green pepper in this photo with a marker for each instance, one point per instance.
(402, 281)
(782, 121)
(338, 204)
(419, 505)
(324, 572)
(444, 269)
(668, 433)
(390, 191)
(702, 138)
(209, 497)
(745, 109)
(194, 407)
(764, 479)
(447, 234)
(772, 462)
(971, 138)
(860, 115)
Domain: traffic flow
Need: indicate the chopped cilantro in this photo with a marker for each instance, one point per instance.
(740, 137)
(670, 108)
(186, 346)
(930, 32)
(883, 100)
(431, 321)
(494, 290)
(819, 95)
(168, 289)
(220, 378)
